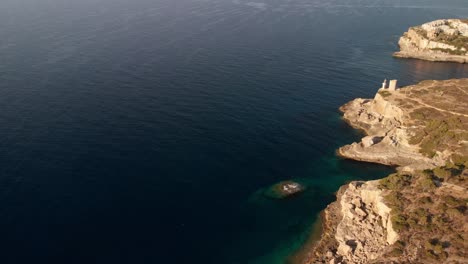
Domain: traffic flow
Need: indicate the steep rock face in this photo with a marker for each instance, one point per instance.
(365, 228)
(386, 109)
(362, 227)
(440, 40)
(418, 127)
(383, 121)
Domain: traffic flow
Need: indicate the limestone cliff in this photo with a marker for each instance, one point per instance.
(417, 127)
(419, 214)
(360, 202)
(440, 40)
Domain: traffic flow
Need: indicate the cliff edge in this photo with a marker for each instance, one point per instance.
(419, 214)
(439, 40)
(417, 127)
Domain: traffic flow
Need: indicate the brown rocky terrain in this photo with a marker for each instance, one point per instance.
(440, 40)
(429, 213)
(419, 214)
(417, 127)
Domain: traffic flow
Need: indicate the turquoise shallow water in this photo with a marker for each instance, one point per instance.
(141, 131)
(292, 219)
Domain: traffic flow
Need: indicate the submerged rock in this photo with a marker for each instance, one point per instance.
(284, 189)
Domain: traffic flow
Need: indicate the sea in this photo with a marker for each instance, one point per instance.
(146, 131)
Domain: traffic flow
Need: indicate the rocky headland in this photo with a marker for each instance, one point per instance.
(419, 214)
(440, 40)
(416, 127)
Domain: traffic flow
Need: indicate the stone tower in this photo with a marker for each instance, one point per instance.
(384, 84)
(393, 85)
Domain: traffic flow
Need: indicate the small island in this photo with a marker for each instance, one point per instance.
(419, 213)
(284, 189)
(439, 40)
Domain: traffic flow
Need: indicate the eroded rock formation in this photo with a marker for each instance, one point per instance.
(440, 40)
(363, 202)
(399, 125)
(419, 127)
(360, 227)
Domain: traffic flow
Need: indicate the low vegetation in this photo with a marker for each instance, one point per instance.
(385, 93)
(428, 213)
(441, 122)
(458, 41)
(458, 52)
(436, 134)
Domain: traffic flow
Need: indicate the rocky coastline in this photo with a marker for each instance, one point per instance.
(343, 241)
(444, 40)
(367, 224)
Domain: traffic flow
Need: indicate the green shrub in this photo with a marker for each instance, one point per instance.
(420, 212)
(427, 183)
(459, 41)
(418, 115)
(395, 252)
(438, 132)
(420, 216)
(417, 137)
(425, 200)
(435, 249)
(442, 172)
(452, 201)
(395, 181)
(449, 51)
(446, 173)
(385, 93)
(430, 254)
(399, 222)
(395, 200)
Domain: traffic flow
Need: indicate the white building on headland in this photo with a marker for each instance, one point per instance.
(392, 85)
(384, 84)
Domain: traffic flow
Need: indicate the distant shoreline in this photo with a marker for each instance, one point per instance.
(443, 40)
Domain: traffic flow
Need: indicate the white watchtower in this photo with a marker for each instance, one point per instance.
(384, 84)
(393, 85)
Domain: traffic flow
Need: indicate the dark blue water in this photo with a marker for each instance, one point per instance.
(142, 131)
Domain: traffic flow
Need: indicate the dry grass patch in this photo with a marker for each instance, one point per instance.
(426, 215)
